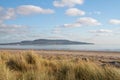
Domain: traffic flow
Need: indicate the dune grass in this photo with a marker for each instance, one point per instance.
(32, 66)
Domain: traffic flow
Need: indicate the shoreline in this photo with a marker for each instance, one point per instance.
(63, 50)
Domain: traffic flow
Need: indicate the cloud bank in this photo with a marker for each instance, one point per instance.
(114, 21)
(74, 12)
(31, 9)
(68, 3)
(85, 21)
(101, 31)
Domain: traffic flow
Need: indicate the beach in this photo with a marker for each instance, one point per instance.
(69, 52)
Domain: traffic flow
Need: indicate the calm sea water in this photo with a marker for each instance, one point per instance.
(65, 47)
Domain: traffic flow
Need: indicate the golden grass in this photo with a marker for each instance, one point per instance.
(32, 66)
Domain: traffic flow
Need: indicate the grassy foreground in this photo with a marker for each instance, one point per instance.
(32, 66)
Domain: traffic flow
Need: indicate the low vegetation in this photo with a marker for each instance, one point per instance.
(32, 66)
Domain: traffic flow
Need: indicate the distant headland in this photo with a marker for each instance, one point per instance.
(48, 42)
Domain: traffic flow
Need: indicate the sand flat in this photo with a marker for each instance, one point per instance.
(70, 52)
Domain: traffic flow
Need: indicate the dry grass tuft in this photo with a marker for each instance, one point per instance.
(31, 66)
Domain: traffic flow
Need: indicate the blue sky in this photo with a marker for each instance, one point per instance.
(96, 21)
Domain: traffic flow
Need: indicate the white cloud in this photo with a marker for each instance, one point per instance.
(31, 9)
(85, 21)
(69, 3)
(11, 29)
(72, 25)
(103, 34)
(101, 31)
(74, 12)
(114, 21)
(88, 21)
(6, 14)
(10, 13)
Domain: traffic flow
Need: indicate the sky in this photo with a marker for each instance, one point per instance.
(96, 21)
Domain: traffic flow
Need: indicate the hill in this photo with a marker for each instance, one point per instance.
(46, 42)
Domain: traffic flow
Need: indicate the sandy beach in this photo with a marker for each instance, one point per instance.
(69, 52)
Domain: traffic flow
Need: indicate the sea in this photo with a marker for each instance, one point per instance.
(97, 47)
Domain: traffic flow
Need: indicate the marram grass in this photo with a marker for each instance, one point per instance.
(32, 66)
